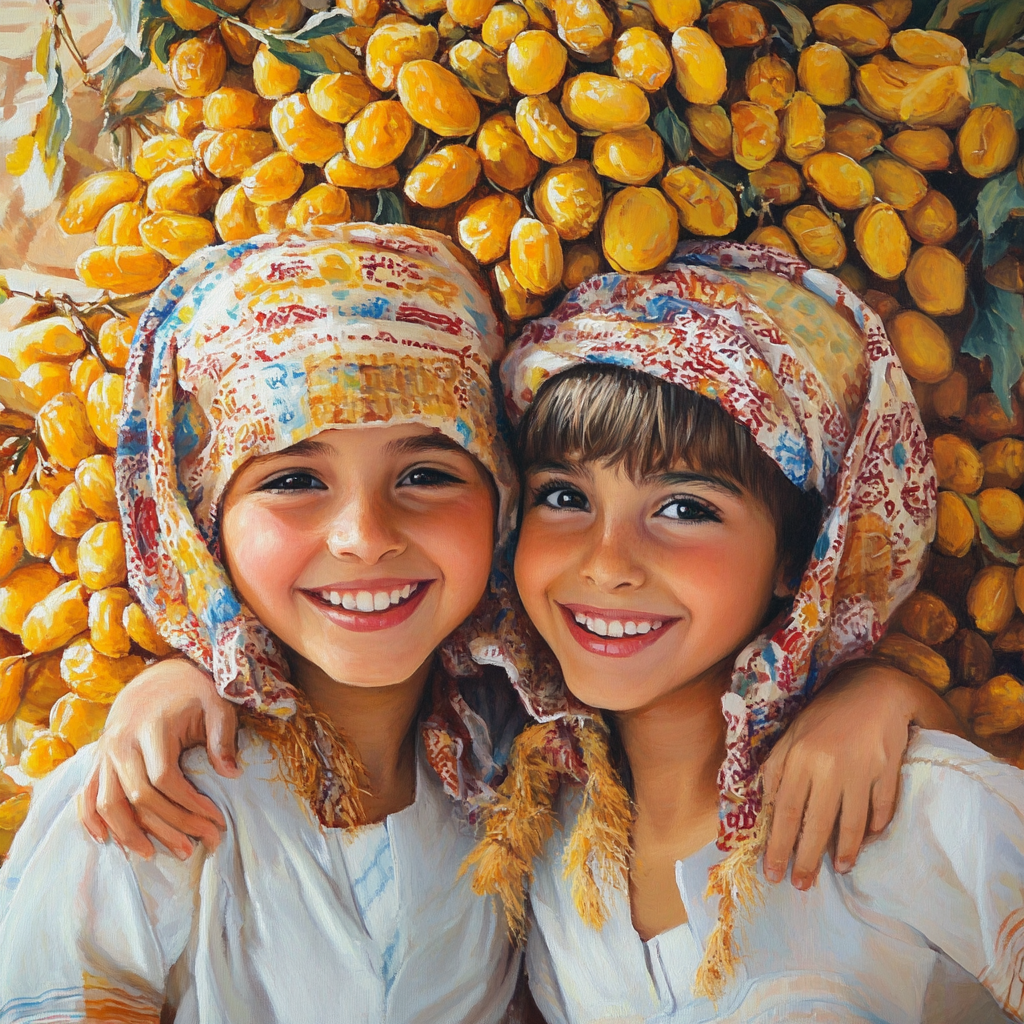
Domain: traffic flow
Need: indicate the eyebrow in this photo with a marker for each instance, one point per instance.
(310, 446)
(683, 478)
(423, 443)
(678, 478)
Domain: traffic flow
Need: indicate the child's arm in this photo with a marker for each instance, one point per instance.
(137, 785)
(836, 769)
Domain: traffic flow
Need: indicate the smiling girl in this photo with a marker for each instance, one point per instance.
(727, 488)
(311, 433)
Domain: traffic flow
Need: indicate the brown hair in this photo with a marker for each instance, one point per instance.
(622, 417)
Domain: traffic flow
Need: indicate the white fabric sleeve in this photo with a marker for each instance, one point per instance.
(951, 863)
(86, 931)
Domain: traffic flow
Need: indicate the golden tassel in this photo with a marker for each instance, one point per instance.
(517, 824)
(602, 827)
(306, 765)
(736, 884)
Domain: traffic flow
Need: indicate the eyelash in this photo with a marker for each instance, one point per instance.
(553, 487)
(442, 478)
(279, 483)
(312, 483)
(704, 512)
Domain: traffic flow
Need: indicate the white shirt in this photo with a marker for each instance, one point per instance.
(284, 922)
(938, 897)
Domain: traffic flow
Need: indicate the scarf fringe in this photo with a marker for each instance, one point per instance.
(517, 824)
(736, 883)
(317, 762)
(602, 828)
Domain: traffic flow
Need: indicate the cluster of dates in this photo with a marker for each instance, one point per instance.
(553, 138)
(962, 631)
(71, 634)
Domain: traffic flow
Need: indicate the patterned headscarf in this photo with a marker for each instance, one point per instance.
(250, 347)
(792, 354)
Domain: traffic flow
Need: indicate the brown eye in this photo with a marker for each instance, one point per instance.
(424, 476)
(295, 482)
(559, 496)
(688, 510)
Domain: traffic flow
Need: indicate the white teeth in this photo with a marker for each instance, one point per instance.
(655, 625)
(600, 627)
(630, 629)
(643, 627)
(615, 629)
(581, 618)
(367, 601)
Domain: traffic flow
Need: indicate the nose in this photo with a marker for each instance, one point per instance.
(613, 560)
(363, 529)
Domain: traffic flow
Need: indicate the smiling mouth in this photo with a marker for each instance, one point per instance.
(367, 600)
(615, 636)
(364, 610)
(616, 627)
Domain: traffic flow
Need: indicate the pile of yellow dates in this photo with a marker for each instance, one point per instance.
(71, 634)
(552, 139)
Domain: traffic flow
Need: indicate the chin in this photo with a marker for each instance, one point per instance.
(384, 669)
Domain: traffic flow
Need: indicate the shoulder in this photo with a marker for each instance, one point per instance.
(949, 775)
(955, 805)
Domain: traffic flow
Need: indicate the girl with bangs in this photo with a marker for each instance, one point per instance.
(727, 491)
(364, 470)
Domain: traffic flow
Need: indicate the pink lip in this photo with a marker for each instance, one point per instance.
(370, 622)
(612, 646)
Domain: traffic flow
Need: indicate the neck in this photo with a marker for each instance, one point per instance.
(380, 724)
(675, 747)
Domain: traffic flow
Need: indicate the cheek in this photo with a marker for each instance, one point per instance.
(460, 540)
(262, 553)
(537, 564)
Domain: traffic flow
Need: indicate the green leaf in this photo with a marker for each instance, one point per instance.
(211, 6)
(674, 133)
(148, 101)
(998, 333)
(995, 82)
(165, 34)
(390, 208)
(798, 22)
(326, 23)
(997, 202)
(1005, 23)
(988, 539)
(124, 65)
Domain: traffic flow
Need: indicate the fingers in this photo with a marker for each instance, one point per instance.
(853, 824)
(87, 808)
(221, 729)
(883, 796)
(112, 805)
(787, 817)
(819, 823)
(193, 813)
